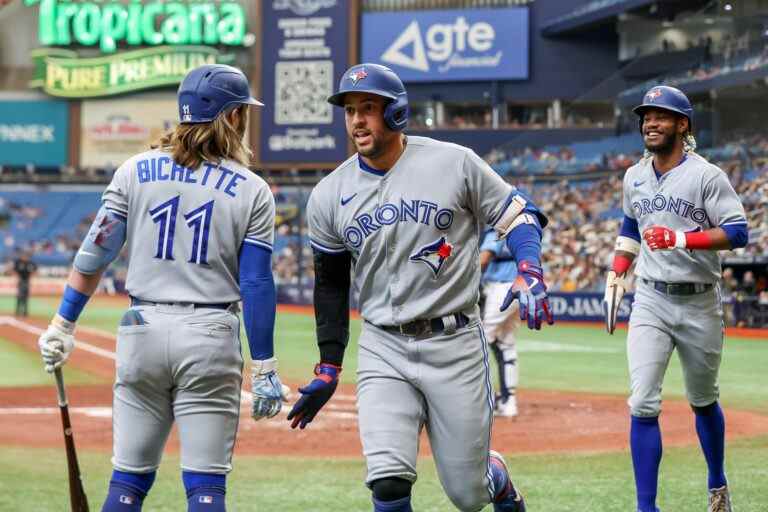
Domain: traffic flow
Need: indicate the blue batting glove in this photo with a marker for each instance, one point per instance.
(315, 395)
(530, 291)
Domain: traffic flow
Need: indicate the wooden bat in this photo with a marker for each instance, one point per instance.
(77, 497)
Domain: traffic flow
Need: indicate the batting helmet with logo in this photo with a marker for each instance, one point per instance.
(381, 81)
(209, 90)
(666, 98)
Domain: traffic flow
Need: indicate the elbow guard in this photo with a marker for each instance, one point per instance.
(627, 244)
(102, 244)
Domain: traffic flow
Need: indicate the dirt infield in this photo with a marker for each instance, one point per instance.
(548, 421)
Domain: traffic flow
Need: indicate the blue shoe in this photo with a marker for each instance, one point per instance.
(508, 499)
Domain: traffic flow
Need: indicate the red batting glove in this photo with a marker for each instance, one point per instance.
(662, 238)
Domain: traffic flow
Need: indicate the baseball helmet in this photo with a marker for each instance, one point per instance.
(381, 81)
(666, 98)
(209, 90)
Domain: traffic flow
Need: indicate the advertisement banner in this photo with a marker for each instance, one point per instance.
(34, 132)
(114, 130)
(63, 73)
(586, 307)
(304, 53)
(449, 45)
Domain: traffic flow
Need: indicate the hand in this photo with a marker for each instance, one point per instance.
(57, 343)
(530, 291)
(615, 287)
(268, 391)
(315, 395)
(662, 238)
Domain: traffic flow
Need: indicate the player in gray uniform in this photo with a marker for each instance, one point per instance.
(199, 227)
(407, 214)
(686, 210)
(499, 272)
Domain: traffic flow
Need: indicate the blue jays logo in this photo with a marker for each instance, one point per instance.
(653, 94)
(434, 255)
(356, 76)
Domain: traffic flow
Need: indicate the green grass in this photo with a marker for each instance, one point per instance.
(22, 367)
(551, 483)
(559, 358)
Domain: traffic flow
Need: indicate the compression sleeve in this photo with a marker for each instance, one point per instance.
(524, 241)
(257, 290)
(630, 229)
(331, 297)
(737, 234)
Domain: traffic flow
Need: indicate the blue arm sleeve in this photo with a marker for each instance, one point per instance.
(737, 234)
(257, 289)
(524, 242)
(629, 228)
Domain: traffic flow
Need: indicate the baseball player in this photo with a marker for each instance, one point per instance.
(408, 213)
(499, 271)
(199, 227)
(686, 210)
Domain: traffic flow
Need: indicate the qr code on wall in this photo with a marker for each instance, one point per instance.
(301, 92)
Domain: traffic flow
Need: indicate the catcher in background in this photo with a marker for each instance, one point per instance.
(499, 272)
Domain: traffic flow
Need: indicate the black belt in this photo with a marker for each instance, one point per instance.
(197, 305)
(426, 326)
(679, 288)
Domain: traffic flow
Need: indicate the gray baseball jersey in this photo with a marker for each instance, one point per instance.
(177, 360)
(186, 226)
(413, 234)
(696, 195)
(693, 196)
(412, 231)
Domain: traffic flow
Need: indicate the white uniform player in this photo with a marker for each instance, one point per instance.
(686, 210)
(199, 227)
(408, 213)
(499, 272)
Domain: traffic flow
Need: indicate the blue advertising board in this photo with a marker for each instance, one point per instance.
(34, 132)
(585, 307)
(449, 45)
(305, 51)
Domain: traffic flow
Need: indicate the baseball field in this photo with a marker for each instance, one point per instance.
(568, 450)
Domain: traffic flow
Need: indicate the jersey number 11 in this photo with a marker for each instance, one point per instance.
(199, 220)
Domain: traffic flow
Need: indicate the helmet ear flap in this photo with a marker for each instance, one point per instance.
(396, 113)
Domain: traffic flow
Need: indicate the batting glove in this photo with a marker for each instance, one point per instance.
(315, 395)
(531, 293)
(615, 287)
(57, 343)
(268, 391)
(662, 238)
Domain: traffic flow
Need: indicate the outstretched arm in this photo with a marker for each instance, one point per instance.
(332, 284)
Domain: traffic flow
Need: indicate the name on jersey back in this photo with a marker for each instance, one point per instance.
(164, 169)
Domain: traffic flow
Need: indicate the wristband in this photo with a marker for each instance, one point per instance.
(693, 240)
(72, 304)
(621, 264)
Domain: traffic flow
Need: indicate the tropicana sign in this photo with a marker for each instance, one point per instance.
(166, 38)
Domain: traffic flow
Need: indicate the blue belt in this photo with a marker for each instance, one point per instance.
(678, 288)
(196, 305)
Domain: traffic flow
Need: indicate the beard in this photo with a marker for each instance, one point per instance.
(371, 150)
(666, 145)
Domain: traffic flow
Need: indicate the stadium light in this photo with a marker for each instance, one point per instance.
(728, 7)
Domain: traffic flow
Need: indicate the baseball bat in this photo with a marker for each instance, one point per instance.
(77, 497)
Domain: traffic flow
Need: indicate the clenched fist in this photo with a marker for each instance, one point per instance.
(57, 343)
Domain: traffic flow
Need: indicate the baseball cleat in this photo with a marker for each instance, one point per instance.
(508, 499)
(719, 500)
(505, 407)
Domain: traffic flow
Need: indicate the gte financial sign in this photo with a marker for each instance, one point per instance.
(450, 45)
(164, 39)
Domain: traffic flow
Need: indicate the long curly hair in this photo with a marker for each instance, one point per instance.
(192, 144)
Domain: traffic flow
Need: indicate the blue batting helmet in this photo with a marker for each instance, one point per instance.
(381, 81)
(209, 90)
(666, 98)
